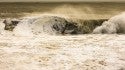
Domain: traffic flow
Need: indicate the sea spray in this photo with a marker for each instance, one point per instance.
(23, 29)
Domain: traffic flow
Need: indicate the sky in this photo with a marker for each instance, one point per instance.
(61, 0)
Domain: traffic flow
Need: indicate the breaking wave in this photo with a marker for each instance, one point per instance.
(33, 25)
(47, 25)
(114, 25)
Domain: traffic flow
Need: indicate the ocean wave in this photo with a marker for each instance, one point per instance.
(49, 25)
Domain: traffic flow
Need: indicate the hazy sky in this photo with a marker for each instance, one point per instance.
(58, 0)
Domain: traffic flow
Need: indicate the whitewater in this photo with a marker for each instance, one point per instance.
(30, 46)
